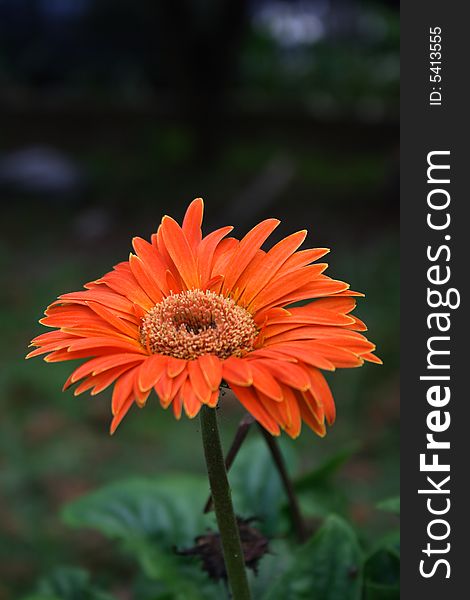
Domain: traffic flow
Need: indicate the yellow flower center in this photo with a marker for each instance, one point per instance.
(195, 322)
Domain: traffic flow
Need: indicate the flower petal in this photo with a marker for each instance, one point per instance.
(303, 352)
(122, 281)
(175, 366)
(300, 259)
(285, 286)
(164, 387)
(192, 405)
(180, 252)
(372, 358)
(265, 382)
(169, 394)
(270, 264)
(151, 370)
(279, 411)
(90, 343)
(198, 382)
(211, 367)
(248, 397)
(123, 388)
(100, 364)
(177, 405)
(154, 265)
(214, 399)
(246, 250)
(322, 393)
(206, 251)
(110, 317)
(288, 373)
(223, 255)
(310, 420)
(98, 383)
(108, 298)
(294, 425)
(145, 280)
(119, 416)
(139, 395)
(321, 286)
(237, 371)
(192, 223)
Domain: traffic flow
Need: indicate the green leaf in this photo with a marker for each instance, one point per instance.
(68, 583)
(40, 597)
(382, 569)
(256, 486)
(327, 567)
(151, 518)
(323, 474)
(319, 503)
(196, 587)
(272, 565)
(390, 505)
(167, 511)
(375, 591)
(390, 543)
(179, 578)
(318, 495)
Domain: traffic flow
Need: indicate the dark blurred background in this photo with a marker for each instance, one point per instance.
(114, 112)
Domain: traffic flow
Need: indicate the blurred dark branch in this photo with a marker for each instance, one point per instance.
(288, 487)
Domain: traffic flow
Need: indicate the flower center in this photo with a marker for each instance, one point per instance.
(195, 322)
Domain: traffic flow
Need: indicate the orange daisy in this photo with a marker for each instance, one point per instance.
(186, 313)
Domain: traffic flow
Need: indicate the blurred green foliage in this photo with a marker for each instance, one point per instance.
(150, 518)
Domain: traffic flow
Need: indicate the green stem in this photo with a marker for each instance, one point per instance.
(221, 494)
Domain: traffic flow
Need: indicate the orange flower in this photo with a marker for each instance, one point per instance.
(187, 312)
